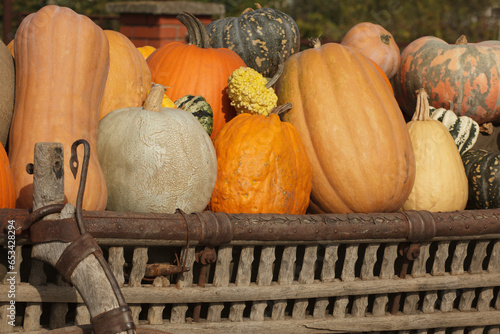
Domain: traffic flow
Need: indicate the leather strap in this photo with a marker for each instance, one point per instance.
(113, 321)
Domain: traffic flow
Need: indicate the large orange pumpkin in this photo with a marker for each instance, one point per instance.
(196, 69)
(262, 167)
(7, 191)
(354, 133)
(62, 61)
(463, 77)
(129, 78)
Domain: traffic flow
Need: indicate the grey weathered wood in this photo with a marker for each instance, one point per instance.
(386, 272)
(243, 278)
(264, 277)
(285, 277)
(221, 279)
(348, 275)
(33, 311)
(155, 312)
(4, 307)
(476, 266)
(139, 261)
(410, 305)
(82, 316)
(184, 280)
(327, 275)
(306, 276)
(58, 311)
(116, 262)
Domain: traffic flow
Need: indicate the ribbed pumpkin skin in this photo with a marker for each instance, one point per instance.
(262, 167)
(7, 191)
(129, 78)
(440, 181)
(58, 94)
(261, 37)
(483, 172)
(375, 42)
(8, 83)
(465, 75)
(352, 128)
(191, 70)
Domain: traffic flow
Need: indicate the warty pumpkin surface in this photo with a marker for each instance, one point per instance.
(129, 77)
(483, 173)
(7, 88)
(463, 77)
(262, 167)
(352, 128)
(196, 69)
(62, 60)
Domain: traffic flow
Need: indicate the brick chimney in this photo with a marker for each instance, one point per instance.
(154, 23)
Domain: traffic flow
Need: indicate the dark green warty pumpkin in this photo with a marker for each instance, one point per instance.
(262, 38)
(483, 173)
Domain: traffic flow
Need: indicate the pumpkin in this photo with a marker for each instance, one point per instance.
(462, 77)
(10, 46)
(440, 181)
(129, 78)
(156, 159)
(263, 38)
(62, 59)
(384, 76)
(489, 140)
(199, 107)
(146, 50)
(483, 173)
(375, 42)
(262, 167)
(7, 191)
(6, 92)
(463, 129)
(196, 69)
(352, 128)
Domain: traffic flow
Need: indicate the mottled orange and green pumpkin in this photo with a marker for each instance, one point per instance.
(262, 167)
(483, 172)
(463, 77)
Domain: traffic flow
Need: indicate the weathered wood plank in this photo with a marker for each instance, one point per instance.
(327, 275)
(184, 280)
(155, 311)
(285, 277)
(243, 278)
(306, 276)
(264, 278)
(386, 272)
(222, 276)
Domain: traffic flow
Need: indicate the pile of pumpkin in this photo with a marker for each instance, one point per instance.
(240, 120)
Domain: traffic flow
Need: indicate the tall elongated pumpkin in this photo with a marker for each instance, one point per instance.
(62, 61)
(129, 78)
(196, 69)
(7, 85)
(354, 133)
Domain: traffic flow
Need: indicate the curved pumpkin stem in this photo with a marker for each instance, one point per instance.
(386, 39)
(422, 110)
(257, 5)
(462, 40)
(281, 109)
(275, 78)
(196, 30)
(154, 98)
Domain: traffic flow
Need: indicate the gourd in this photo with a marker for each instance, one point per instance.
(62, 59)
(483, 173)
(6, 92)
(262, 38)
(353, 130)
(146, 50)
(463, 129)
(375, 42)
(199, 107)
(7, 191)
(196, 69)
(156, 159)
(461, 77)
(440, 181)
(129, 78)
(262, 167)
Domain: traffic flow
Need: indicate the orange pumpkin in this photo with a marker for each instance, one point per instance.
(375, 42)
(62, 59)
(129, 78)
(262, 167)
(7, 191)
(353, 130)
(196, 69)
(382, 73)
(146, 50)
(10, 46)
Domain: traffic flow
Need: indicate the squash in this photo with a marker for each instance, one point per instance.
(7, 89)
(7, 190)
(199, 107)
(263, 38)
(463, 129)
(262, 167)
(375, 42)
(196, 69)
(10, 46)
(62, 59)
(382, 73)
(462, 77)
(156, 159)
(440, 181)
(353, 130)
(129, 78)
(146, 50)
(483, 173)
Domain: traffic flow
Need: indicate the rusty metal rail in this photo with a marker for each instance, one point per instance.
(212, 229)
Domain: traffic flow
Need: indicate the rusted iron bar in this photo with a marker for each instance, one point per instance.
(208, 228)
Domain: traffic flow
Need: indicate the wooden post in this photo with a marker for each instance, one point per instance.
(48, 188)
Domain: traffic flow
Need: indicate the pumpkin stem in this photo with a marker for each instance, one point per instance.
(154, 98)
(486, 128)
(275, 78)
(315, 42)
(196, 30)
(281, 109)
(462, 40)
(422, 110)
(386, 39)
(257, 5)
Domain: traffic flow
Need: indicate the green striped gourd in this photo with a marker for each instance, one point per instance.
(200, 108)
(483, 173)
(463, 129)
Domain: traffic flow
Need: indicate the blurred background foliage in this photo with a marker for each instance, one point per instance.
(330, 20)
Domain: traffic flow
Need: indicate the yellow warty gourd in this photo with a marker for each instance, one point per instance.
(248, 92)
(440, 180)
